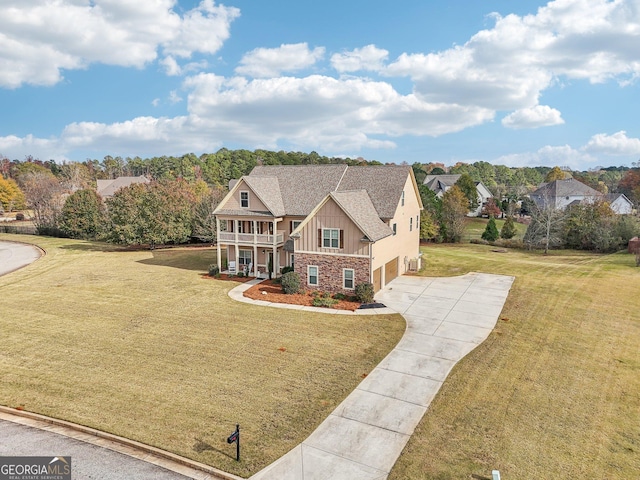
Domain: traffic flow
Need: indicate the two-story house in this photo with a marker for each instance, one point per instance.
(338, 226)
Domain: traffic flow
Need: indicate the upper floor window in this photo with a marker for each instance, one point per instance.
(244, 199)
(402, 199)
(395, 228)
(331, 238)
(411, 224)
(294, 224)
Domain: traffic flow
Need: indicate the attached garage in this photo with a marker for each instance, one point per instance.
(377, 279)
(390, 270)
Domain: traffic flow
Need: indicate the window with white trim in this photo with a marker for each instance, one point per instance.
(244, 199)
(244, 257)
(331, 238)
(402, 199)
(395, 228)
(294, 224)
(312, 275)
(347, 278)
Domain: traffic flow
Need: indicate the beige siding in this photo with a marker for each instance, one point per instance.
(332, 216)
(406, 243)
(254, 202)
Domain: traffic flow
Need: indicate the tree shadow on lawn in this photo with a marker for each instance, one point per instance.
(93, 247)
(197, 259)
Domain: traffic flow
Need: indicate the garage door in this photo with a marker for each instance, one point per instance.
(377, 279)
(390, 270)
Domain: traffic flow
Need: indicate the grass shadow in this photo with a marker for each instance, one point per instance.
(195, 259)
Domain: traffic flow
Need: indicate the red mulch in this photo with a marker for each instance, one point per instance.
(276, 295)
(224, 276)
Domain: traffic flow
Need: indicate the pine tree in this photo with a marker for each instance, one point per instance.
(491, 233)
(508, 229)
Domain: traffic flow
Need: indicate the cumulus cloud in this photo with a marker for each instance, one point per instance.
(365, 58)
(271, 62)
(40, 38)
(535, 117)
(319, 111)
(508, 66)
(616, 144)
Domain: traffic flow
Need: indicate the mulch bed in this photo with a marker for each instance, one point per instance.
(275, 294)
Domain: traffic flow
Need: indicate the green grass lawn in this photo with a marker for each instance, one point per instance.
(554, 392)
(139, 344)
(475, 227)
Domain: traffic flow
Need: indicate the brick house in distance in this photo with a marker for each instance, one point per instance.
(337, 225)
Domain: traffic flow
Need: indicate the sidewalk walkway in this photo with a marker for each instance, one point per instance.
(365, 435)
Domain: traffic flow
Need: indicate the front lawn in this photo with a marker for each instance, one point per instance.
(140, 344)
(554, 392)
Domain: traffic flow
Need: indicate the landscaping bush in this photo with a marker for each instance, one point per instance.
(240, 274)
(19, 216)
(213, 270)
(364, 292)
(291, 283)
(339, 296)
(286, 270)
(324, 301)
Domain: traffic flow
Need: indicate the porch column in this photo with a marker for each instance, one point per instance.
(236, 224)
(255, 232)
(255, 260)
(276, 258)
(218, 249)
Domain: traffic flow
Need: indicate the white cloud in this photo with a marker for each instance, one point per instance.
(535, 117)
(616, 144)
(365, 58)
(508, 66)
(548, 156)
(174, 97)
(271, 62)
(155, 102)
(40, 38)
(319, 111)
(170, 65)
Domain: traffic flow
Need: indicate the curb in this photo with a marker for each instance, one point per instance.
(167, 460)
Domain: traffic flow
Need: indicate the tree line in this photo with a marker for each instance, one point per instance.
(177, 205)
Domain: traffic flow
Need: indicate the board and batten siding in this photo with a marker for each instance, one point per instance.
(254, 202)
(332, 216)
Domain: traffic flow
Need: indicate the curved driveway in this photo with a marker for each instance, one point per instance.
(363, 437)
(17, 255)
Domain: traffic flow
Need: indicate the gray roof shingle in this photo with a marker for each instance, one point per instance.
(565, 188)
(358, 206)
(106, 188)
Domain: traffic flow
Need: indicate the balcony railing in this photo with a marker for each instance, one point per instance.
(251, 238)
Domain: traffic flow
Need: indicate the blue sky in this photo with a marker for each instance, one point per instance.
(522, 83)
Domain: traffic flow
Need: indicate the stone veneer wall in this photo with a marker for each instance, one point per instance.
(330, 270)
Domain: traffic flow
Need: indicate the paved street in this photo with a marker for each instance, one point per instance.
(16, 255)
(87, 461)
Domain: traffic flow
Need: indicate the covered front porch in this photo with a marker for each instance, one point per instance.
(253, 246)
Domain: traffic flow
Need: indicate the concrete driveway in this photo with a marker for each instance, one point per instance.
(364, 436)
(17, 255)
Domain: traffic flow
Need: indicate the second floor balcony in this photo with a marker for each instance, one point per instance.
(261, 239)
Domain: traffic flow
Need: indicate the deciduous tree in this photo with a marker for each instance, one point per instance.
(455, 206)
(11, 197)
(44, 195)
(468, 187)
(83, 215)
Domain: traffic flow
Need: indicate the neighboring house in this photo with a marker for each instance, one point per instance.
(106, 188)
(441, 183)
(338, 226)
(619, 203)
(562, 193)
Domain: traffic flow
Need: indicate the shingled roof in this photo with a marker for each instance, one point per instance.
(565, 188)
(106, 188)
(358, 206)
